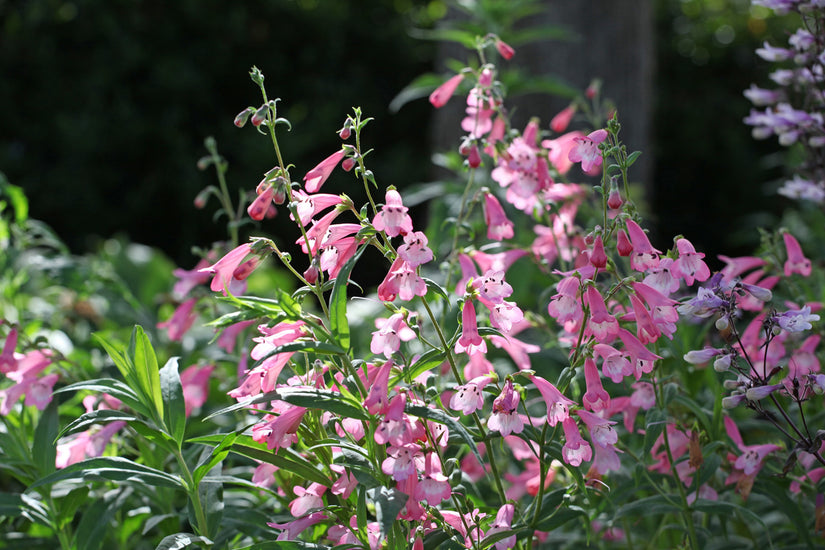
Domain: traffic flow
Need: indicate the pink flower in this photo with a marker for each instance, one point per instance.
(750, 461)
(469, 333)
(387, 339)
(307, 206)
(433, 486)
(595, 398)
(505, 418)
(279, 431)
(224, 269)
(181, 320)
(587, 151)
(576, 449)
(316, 177)
(499, 227)
(195, 382)
(566, 306)
(644, 256)
(262, 205)
(8, 359)
(443, 93)
(505, 50)
(690, 266)
(561, 121)
(503, 522)
(376, 400)
(615, 365)
(470, 397)
(557, 404)
(393, 218)
(603, 326)
(403, 461)
(415, 251)
(309, 499)
(797, 262)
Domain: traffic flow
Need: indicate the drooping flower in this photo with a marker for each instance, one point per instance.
(690, 266)
(443, 93)
(315, 178)
(587, 151)
(576, 449)
(195, 384)
(797, 262)
(469, 397)
(557, 404)
(505, 418)
(181, 321)
(393, 218)
(224, 269)
(499, 227)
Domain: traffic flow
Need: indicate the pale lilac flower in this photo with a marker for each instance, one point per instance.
(796, 320)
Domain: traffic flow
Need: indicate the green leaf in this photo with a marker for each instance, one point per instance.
(146, 369)
(560, 517)
(456, 428)
(779, 494)
(286, 545)
(631, 158)
(327, 400)
(360, 467)
(18, 200)
(113, 387)
(113, 468)
(338, 302)
(388, 503)
(70, 503)
(285, 459)
(654, 424)
(11, 505)
(97, 518)
(100, 416)
(44, 450)
(181, 540)
(308, 346)
(283, 305)
(174, 407)
(653, 505)
(123, 364)
(218, 454)
(425, 362)
(437, 288)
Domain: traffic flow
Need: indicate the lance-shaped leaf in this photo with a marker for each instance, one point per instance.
(338, 302)
(115, 388)
(45, 435)
(146, 368)
(182, 540)
(174, 408)
(388, 503)
(101, 416)
(113, 468)
(285, 459)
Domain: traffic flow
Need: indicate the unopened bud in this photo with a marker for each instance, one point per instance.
(732, 401)
(623, 245)
(486, 78)
(504, 49)
(722, 363)
(474, 158)
(245, 269)
(344, 132)
(201, 198)
(243, 116)
(614, 200)
(348, 164)
(260, 115)
(722, 323)
(311, 274)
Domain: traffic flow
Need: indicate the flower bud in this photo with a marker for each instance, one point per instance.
(486, 78)
(241, 118)
(245, 269)
(344, 133)
(200, 200)
(623, 245)
(474, 158)
(722, 323)
(614, 200)
(347, 164)
(311, 274)
(505, 50)
(260, 115)
(733, 401)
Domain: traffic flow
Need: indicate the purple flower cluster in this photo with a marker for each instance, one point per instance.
(794, 111)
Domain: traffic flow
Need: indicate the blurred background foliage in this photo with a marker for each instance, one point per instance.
(105, 106)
